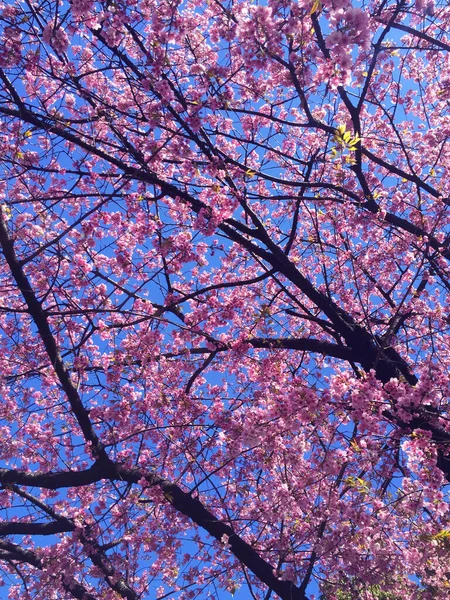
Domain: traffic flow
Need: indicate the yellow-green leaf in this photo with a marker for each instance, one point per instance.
(444, 534)
(316, 7)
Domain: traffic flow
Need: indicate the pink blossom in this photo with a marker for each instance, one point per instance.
(55, 37)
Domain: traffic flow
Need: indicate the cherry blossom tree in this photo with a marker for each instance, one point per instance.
(224, 279)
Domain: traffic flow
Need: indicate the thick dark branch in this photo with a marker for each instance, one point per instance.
(54, 480)
(23, 528)
(422, 36)
(290, 343)
(193, 509)
(40, 319)
(390, 168)
(14, 553)
(307, 345)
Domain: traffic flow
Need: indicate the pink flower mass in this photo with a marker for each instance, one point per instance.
(224, 299)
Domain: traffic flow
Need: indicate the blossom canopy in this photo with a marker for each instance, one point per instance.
(224, 291)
